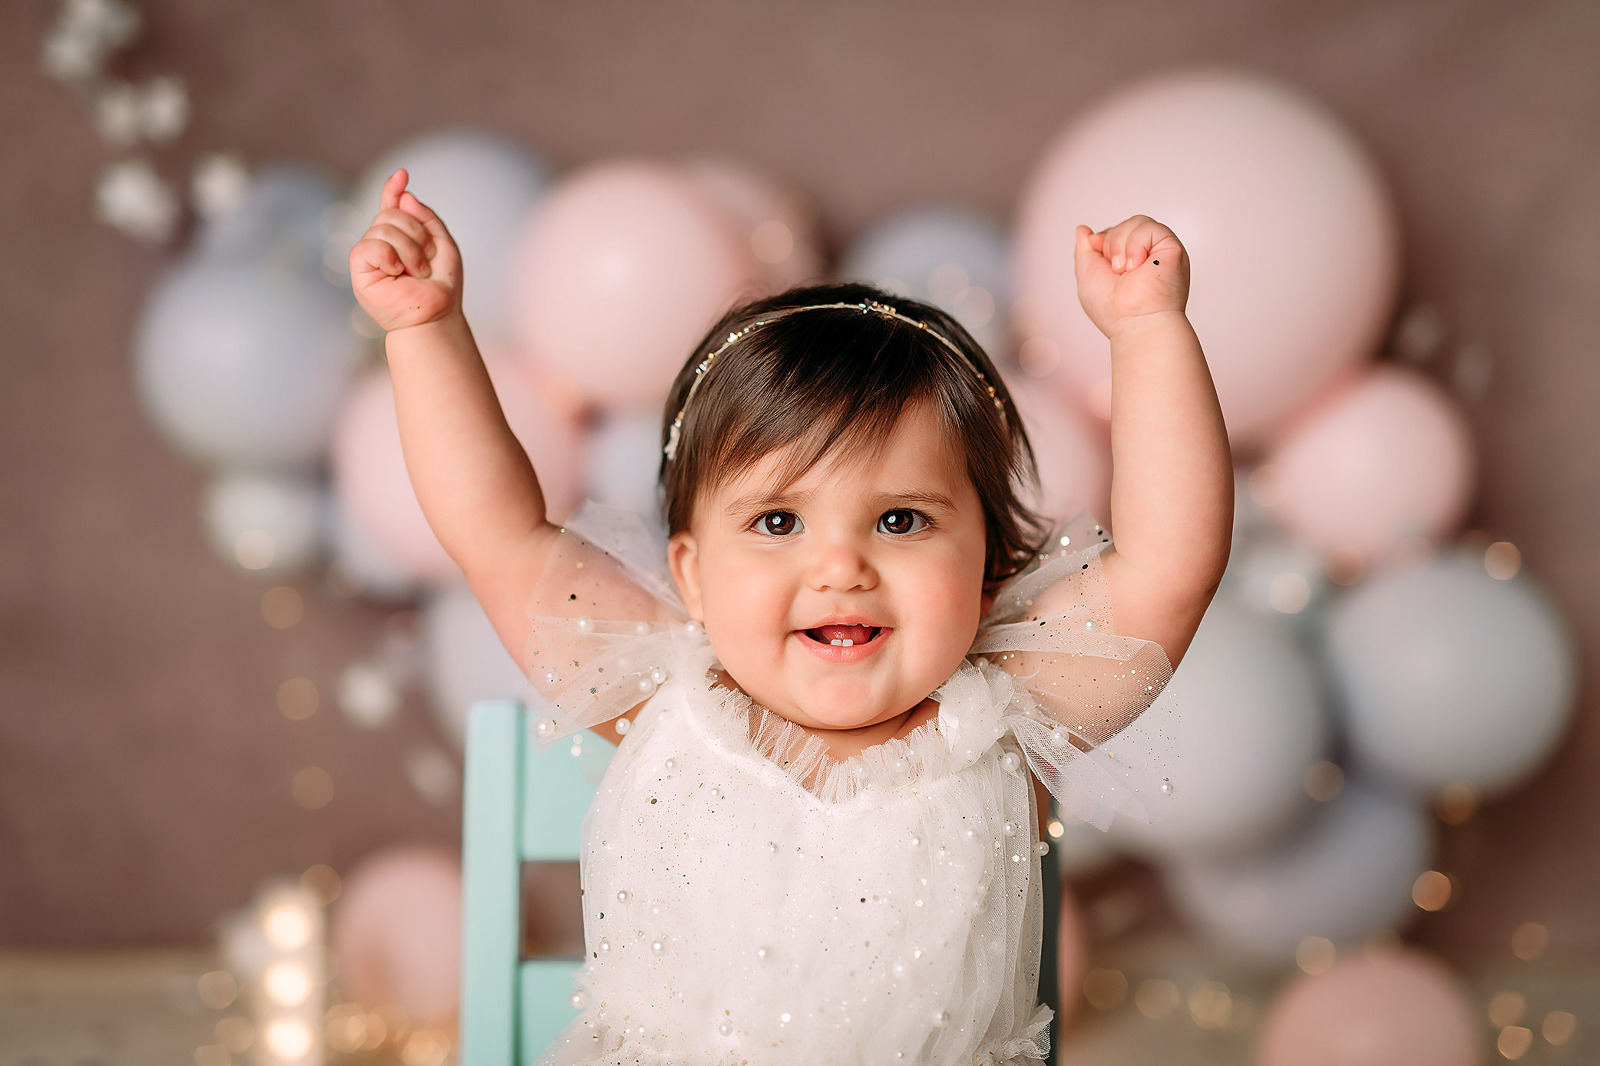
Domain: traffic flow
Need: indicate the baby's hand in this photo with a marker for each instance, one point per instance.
(406, 270)
(1133, 269)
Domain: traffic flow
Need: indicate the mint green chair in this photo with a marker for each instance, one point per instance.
(522, 814)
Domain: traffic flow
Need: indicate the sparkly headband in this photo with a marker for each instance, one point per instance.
(865, 306)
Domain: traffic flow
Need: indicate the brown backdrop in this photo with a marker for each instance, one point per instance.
(144, 770)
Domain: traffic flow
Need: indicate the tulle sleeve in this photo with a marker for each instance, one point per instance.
(608, 627)
(1092, 727)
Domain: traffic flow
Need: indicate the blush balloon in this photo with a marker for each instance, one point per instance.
(396, 933)
(1073, 458)
(374, 490)
(1396, 1009)
(620, 272)
(466, 662)
(1292, 235)
(779, 225)
(1386, 459)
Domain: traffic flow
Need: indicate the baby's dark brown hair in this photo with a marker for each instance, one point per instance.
(834, 378)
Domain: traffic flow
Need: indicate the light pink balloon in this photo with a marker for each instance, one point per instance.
(1399, 1009)
(779, 225)
(620, 271)
(1072, 958)
(1072, 454)
(1290, 233)
(374, 490)
(396, 932)
(1384, 458)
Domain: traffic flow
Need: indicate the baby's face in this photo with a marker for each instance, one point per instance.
(848, 597)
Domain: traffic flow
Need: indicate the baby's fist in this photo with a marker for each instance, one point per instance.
(405, 270)
(1135, 268)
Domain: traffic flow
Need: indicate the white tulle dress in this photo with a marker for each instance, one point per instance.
(748, 899)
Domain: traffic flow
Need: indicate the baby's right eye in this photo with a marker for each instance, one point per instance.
(778, 523)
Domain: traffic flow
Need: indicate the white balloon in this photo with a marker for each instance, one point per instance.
(481, 184)
(267, 524)
(1449, 676)
(1252, 723)
(465, 660)
(949, 257)
(282, 216)
(624, 461)
(1276, 577)
(243, 363)
(1346, 875)
(362, 563)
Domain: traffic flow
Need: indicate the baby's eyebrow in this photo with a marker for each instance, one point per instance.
(934, 500)
(766, 500)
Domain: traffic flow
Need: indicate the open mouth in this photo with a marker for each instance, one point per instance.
(844, 636)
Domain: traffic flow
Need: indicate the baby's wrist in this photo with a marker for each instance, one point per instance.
(1135, 327)
(450, 327)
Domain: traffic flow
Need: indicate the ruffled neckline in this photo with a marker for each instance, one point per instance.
(971, 705)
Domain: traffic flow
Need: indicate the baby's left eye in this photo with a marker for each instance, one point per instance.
(902, 521)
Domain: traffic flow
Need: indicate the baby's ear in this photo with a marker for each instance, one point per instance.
(683, 559)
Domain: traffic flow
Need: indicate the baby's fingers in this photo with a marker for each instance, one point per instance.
(1115, 244)
(411, 252)
(420, 211)
(390, 196)
(406, 224)
(373, 256)
(1142, 240)
(1088, 258)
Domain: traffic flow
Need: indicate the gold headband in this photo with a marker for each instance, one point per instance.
(865, 306)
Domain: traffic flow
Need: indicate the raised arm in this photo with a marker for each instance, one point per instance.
(1172, 474)
(476, 486)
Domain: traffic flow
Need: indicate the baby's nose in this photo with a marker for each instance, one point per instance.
(841, 566)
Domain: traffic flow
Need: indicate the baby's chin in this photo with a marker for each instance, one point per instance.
(840, 708)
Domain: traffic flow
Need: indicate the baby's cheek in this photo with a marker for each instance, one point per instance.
(949, 610)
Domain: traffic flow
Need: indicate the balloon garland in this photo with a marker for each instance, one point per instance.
(1308, 816)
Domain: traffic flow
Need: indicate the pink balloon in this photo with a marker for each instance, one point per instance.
(1072, 958)
(1291, 234)
(1399, 1009)
(369, 472)
(779, 225)
(1073, 457)
(621, 270)
(396, 932)
(1382, 459)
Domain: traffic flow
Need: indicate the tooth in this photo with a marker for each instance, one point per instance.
(847, 642)
(836, 642)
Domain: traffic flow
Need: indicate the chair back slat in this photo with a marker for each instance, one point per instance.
(491, 867)
(521, 804)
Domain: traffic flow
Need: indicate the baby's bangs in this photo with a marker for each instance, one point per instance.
(831, 404)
